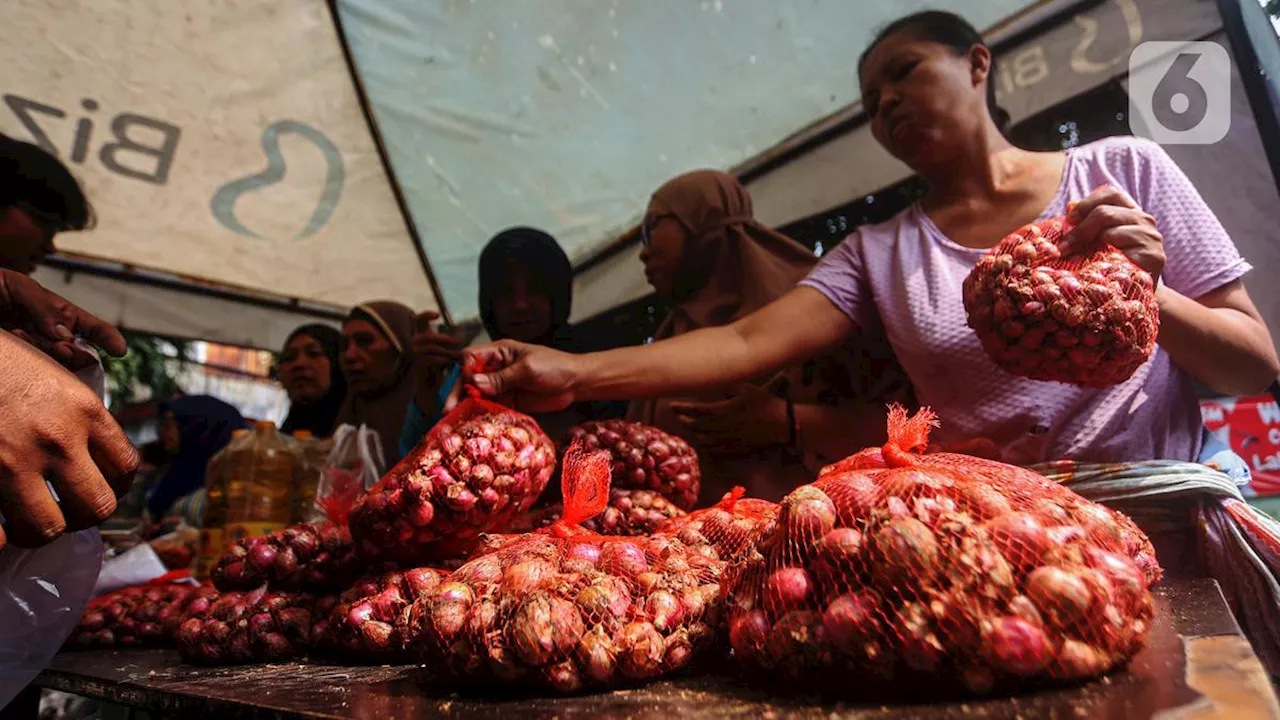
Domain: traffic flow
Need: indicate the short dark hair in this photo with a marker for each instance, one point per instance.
(32, 176)
(952, 31)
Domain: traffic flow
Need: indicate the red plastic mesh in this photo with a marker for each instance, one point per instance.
(645, 458)
(566, 609)
(141, 616)
(316, 558)
(937, 567)
(1087, 319)
(240, 627)
(725, 530)
(363, 623)
(476, 470)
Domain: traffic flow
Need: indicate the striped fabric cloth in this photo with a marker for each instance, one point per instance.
(1239, 545)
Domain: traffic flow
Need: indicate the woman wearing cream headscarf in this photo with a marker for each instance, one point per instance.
(705, 254)
(379, 370)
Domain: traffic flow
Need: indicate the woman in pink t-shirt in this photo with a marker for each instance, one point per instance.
(925, 86)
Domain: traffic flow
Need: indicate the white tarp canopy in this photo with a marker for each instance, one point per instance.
(567, 114)
(224, 143)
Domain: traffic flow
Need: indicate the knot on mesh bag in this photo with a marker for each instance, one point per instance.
(1088, 319)
(477, 469)
(567, 609)
(939, 566)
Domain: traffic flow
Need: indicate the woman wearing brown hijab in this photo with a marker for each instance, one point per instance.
(379, 370)
(705, 254)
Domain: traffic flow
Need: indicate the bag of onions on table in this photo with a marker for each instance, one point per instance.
(645, 458)
(242, 627)
(477, 469)
(937, 568)
(1088, 319)
(363, 623)
(566, 609)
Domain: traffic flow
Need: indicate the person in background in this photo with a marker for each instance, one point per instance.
(193, 429)
(56, 427)
(310, 374)
(709, 259)
(526, 294)
(378, 366)
(39, 198)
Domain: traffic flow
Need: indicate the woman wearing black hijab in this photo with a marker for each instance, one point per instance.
(526, 294)
(310, 374)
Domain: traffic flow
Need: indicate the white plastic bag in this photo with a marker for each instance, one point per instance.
(353, 466)
(44, 591)
(138, 565)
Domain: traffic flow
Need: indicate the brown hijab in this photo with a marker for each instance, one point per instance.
(733, 266)
(384, 409)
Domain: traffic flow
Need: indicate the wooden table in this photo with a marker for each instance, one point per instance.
(1196, 666)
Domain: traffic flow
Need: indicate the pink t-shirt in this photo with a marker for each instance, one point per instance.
(906, 275)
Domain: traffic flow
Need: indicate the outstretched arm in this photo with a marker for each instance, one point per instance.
(798, 325)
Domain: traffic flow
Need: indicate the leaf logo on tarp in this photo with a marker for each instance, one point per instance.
(223, 204)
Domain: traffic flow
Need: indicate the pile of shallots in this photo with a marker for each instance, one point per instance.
(939, 568)
(140, 616)
(314, 558)
(644, 458)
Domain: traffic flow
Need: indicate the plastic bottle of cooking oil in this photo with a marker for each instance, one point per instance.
(253, 482)
(312, 452)
(213, 526)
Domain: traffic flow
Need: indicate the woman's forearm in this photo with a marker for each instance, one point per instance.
(1219, 340)
(793, 328)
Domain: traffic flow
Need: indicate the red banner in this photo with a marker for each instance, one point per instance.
(1251, 426)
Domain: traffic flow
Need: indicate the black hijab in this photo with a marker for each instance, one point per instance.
(549, 266)
(318, 416)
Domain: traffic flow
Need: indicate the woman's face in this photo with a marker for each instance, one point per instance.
(924, 99)
(369, 360)
(521, 308)
(170, 435)
(664, 241)
(23, 241)
(304, 369)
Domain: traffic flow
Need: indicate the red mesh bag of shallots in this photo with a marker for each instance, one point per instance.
(242, 627)
(363, 623)
(964, 573)
(476, 470)
(566, 609)
(1088, 319)
(725, 530)
(645, 458)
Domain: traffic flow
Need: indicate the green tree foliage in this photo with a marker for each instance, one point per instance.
(148, 370)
